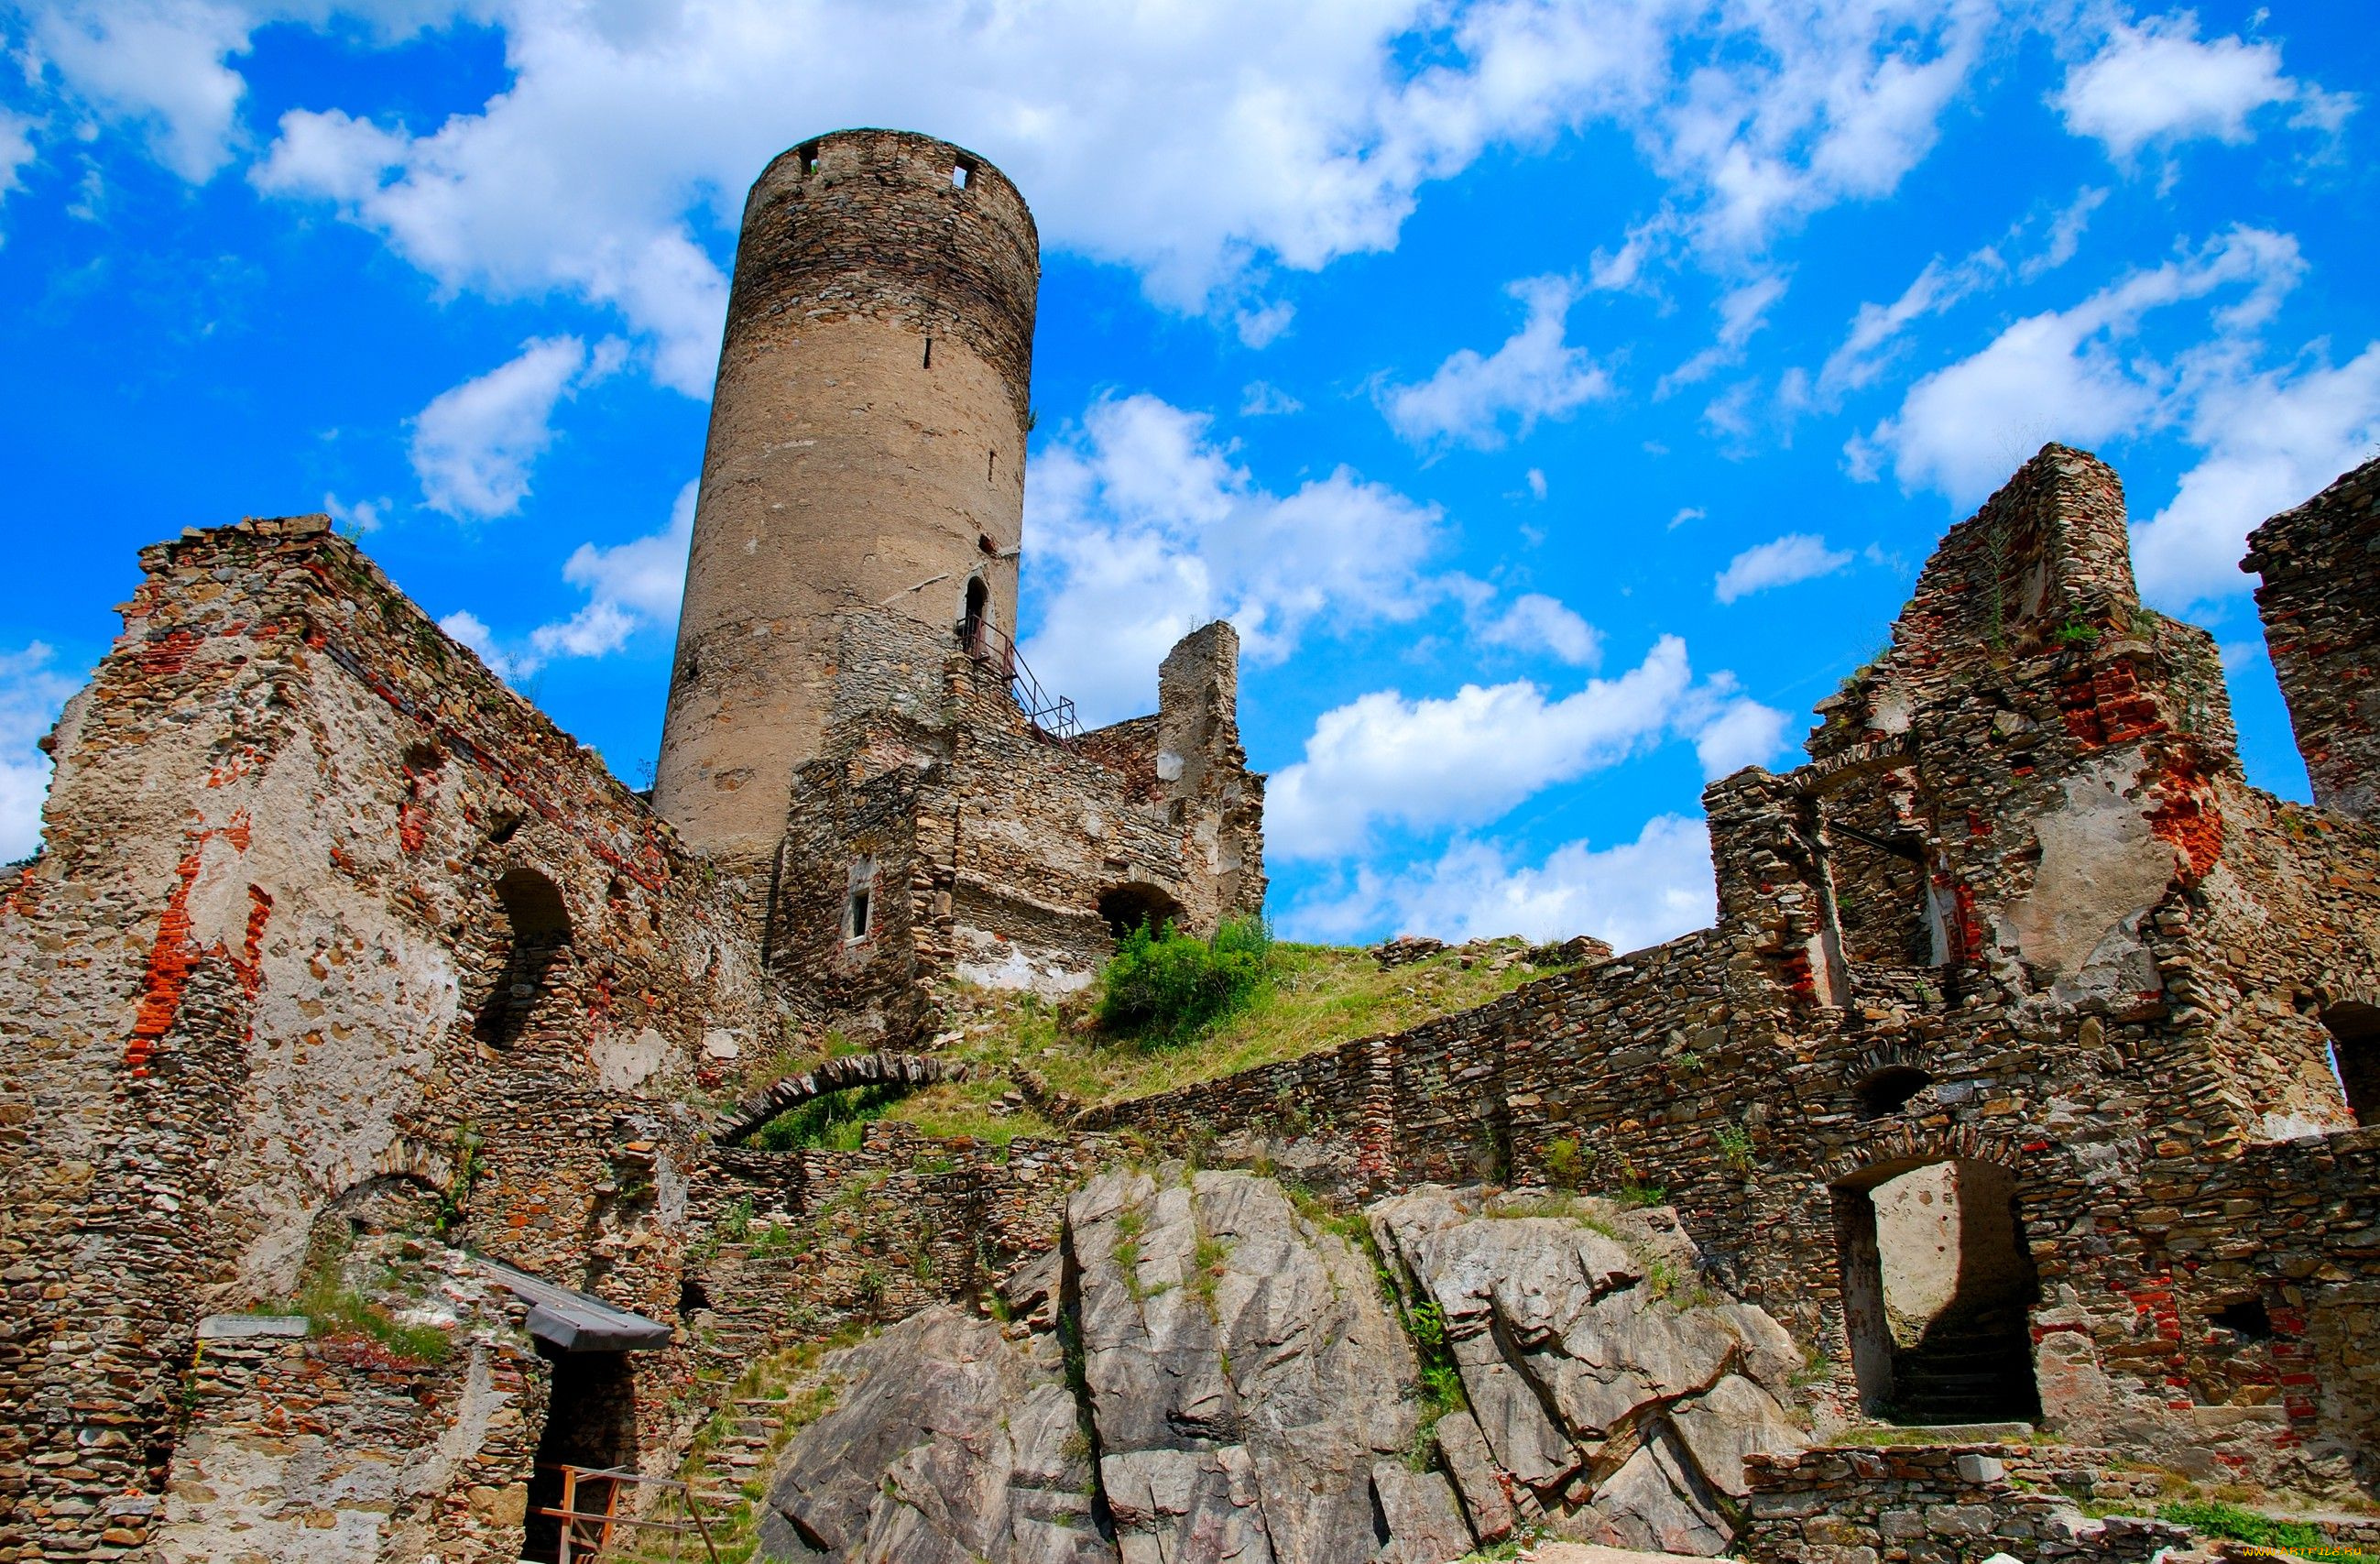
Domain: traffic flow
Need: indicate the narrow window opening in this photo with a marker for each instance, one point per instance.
(854, 917)
(962, 174)
(984, 544)
(2244, 1316)
(929, 353)
(2355, 1055)
(990, 465)
(1888, 1091)
(810, 155)
(976, 611)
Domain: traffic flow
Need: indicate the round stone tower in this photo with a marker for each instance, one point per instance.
(866, 449)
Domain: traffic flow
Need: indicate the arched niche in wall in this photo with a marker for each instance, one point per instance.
(1136, 902)
(535, 942)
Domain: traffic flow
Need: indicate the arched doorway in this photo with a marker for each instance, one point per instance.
(1127, 907)
(537, 942)
(1939, 1287)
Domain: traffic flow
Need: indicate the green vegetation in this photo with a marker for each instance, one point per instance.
(835, 1121)
(1734, 1147)
(334, 1308)
(1164, 986)
(1315, 997)
(2219, 1520)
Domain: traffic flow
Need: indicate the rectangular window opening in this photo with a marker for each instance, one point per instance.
(962, 175)
(854, 917)
(810, 156)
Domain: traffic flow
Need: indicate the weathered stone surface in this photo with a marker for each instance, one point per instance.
(1463, 1451)
(1565, 1340)
(1245, 1377)
(949, 1445)
(1425, 1525)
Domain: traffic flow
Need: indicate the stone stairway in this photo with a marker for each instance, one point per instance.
(742, 1457)
(1976, 1372)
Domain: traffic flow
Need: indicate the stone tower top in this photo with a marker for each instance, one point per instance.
(896, 227)
(866, 456)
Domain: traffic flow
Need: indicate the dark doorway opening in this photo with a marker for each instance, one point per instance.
(2355, 1054)
(591, 1423)
(537, 943)
(1939, 1288)
(1126, 907)
(979, 611)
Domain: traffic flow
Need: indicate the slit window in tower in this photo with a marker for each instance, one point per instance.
(962, 174)
(810, 158)
(854, 917)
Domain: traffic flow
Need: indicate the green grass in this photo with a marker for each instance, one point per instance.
(1318, 996)
(333, 1308)
(2221, 1520)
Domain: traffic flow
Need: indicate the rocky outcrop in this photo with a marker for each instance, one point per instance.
(950, 1444)
(1252, 1392)
(1618, 1392)
(1246, 1386)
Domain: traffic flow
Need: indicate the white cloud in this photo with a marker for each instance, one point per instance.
(473, 632)
(1262, 328)
(2061, 375)
(1536, 623)
(1206, 147)
(2271, 441)
(31, 691)
(475, 444)
(1261, 399)
(1535, 375)
(364, 515)
(630, 587)
(1780, 561)
(2065, 233)
(1465, 760)
(1686, 514)
(2157, 82)
(1744, 732)
(1634, 894)
(16, 151)
(1742, 311)
(1876, 329)
(1144, 528)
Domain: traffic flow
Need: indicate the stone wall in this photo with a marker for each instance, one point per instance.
(322, 908)
(2115, 977)
(2320, 569)
(992, 850)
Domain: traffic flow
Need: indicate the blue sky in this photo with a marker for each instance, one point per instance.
(1560, 397)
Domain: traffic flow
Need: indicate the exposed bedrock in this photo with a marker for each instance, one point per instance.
(1617, 1392)
(1244, 1388)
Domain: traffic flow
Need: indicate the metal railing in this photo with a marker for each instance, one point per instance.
(1051, 715)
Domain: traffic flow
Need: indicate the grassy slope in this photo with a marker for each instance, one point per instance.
(1320, 995)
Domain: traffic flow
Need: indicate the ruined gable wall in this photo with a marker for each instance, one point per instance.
(245, 976)
(2320, 565)
(991, 844)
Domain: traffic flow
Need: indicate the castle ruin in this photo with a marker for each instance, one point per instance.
(2026, 1089)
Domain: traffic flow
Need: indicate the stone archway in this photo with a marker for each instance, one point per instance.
(1137, 902)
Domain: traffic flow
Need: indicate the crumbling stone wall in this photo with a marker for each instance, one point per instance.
(990, 850)
(2119, 1001)
(267, 956)
(2320, 569)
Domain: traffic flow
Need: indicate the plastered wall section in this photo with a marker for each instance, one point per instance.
(253, 970)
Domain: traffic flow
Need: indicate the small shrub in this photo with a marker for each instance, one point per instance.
(1735, 1146)
(1565, 1167)
(1165, 985)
